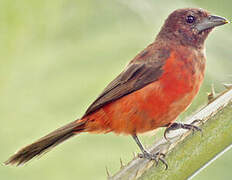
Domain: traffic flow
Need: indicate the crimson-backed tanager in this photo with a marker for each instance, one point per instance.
(153, 89)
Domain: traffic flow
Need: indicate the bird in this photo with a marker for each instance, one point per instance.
(156, 86)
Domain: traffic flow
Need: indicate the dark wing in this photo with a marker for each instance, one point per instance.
(134, 77)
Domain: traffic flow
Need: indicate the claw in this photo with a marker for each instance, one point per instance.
(164, 162)
(155, 157)
(193, 128)
(197, 120)
(175, 126)
(172, 126)
(159, 156)
(165, 134)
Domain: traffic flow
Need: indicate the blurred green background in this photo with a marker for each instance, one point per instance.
(57, 56)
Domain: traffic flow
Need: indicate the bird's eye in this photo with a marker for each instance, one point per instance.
(190, 19)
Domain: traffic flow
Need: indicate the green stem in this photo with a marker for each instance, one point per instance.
(188, 153)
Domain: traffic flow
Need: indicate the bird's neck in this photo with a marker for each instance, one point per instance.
(183, 52)
(180, 39)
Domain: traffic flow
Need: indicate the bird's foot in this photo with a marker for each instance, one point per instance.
(197, 120)
(175, 126)
(155, 157)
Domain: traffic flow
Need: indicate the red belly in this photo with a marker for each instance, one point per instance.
(153, 106)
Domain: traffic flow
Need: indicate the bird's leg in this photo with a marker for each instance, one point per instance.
(175, 126)
(156, 157)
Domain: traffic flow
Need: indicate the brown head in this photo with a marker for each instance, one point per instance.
(190, 26)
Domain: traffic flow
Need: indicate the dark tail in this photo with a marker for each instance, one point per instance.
(46, 143)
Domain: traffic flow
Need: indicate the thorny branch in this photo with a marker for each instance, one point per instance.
(137, 167)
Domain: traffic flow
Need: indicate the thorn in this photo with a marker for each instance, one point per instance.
(107, 172)
(228, 86)
(121, 164)
(134, 154)
(146, 146)
(212, 94)
(147, 166)
(136, 174)
(213, 90)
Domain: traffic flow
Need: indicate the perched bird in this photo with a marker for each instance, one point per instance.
(154, 88)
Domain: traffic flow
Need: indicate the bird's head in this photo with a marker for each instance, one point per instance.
(190, 26)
